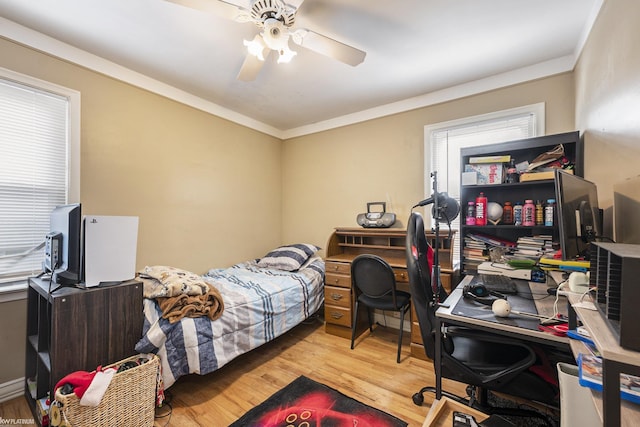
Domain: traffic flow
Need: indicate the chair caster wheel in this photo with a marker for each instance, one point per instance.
(418, 399)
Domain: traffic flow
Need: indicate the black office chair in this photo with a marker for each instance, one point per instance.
(482, 360)
(373, 279)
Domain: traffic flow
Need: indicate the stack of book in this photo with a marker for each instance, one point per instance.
(477, 246)
(475, 253)
(492, 240)
(533, 247)
(549, 263)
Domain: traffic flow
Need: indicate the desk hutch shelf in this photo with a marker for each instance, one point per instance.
(345, 244)
(520, 151)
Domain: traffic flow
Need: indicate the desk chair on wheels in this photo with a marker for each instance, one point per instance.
(374, 280)
(482, 360)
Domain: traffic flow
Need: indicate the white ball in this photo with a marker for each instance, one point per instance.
(494, 211)
(501, 307)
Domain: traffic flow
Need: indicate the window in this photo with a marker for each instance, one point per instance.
(443, 141)
(39, 168)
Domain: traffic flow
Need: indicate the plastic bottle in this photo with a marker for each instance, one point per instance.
(507, 213)
(528, 213)
(539, 213)
(512, 173)
(471, 213)
(517, 214)
(548, 212)
(481, 209)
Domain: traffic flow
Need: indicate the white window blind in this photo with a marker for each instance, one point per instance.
(34, 173)
(444, 141)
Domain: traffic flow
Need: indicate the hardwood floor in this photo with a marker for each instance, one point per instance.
(369, 373)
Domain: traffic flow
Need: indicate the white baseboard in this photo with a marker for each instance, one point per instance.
(11, 389)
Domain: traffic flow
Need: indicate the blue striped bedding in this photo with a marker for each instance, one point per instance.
(259, 305)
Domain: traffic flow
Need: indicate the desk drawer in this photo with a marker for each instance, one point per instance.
(401, 275)
(337, 267)
(340, 280)
(337, 315)
(337, 296)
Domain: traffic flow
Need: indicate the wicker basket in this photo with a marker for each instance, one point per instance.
(129, 400)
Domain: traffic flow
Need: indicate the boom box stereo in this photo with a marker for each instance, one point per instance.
(376, 219)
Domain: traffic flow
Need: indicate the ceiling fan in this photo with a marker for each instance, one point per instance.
(276, 20)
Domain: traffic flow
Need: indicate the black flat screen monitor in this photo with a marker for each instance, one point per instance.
(578, 214)
(65, 261)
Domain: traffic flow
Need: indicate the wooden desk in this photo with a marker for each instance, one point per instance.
(389, 243)
(615, 360)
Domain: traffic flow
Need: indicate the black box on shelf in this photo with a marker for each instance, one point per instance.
(615, 268)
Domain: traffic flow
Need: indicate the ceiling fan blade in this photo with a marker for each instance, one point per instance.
(329, 47)
(217, 7)
(251, 67)
(295, 3)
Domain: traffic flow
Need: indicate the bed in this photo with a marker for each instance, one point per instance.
(262, 301)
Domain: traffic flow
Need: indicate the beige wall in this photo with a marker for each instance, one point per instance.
(608, 101)
(202, 186)
(207, 191)
(13, 342)
(329, 177)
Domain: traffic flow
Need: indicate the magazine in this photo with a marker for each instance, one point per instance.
(590, 375)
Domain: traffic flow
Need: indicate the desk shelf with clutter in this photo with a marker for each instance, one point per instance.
(497, 190)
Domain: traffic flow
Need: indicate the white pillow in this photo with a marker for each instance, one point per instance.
(288, 258)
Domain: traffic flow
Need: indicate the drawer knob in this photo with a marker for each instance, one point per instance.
(336, 297)
(336, 315)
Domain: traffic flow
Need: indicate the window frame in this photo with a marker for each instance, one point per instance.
(16, 289)
(537, 109)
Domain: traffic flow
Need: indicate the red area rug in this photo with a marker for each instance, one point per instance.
(307, 403)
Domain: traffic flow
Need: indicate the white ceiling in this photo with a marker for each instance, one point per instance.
(419, 52)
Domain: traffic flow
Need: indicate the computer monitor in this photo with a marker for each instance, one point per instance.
(578, 214)
(63, 248)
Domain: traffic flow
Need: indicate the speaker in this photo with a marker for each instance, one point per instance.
(376, 219)
(614, 272)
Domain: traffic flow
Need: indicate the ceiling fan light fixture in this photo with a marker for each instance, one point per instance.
(286, 55)
(256, 47)
(275, 35)
(275, 20)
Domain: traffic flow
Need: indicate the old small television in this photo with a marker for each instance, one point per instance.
(579, 218)
(63, 245)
